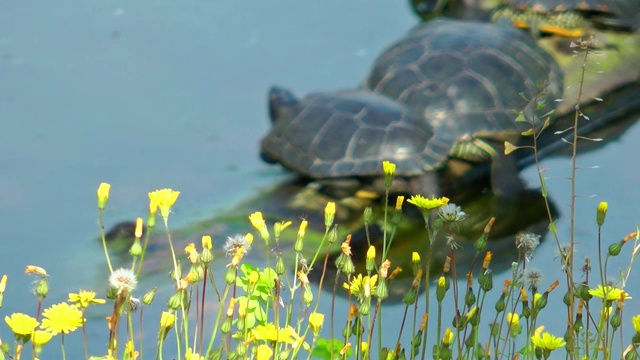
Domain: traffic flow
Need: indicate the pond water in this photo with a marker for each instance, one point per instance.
(164, 94)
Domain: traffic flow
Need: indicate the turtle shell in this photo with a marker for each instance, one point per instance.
(348, 133)
(466, 78)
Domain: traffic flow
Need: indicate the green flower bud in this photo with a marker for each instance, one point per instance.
(226, 325)
(136, 249)
(582, 291)
(307, 296)
(42, 289)
(615, 319)
(410, 297)
(147, 298)
(240, 324)
(365, 307)
(541, 301)
(241, 349)
(230, 275)
(370, 262)
(368, 214)
(206, 256)
(470, 297)
(348, 267)
(481, 243)
(577, 324)
(614, 249)
(176, 300)
(486, 280)
(333, 235)
(280, 268)
(441, 288)
(382, 292)
(500, 305)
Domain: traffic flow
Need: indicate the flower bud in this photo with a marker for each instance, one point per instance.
(42, 289)
(614, 249)
(176, 300)
(389, 169)
(103, 195)
(307, 296)
(329, 214)
(280, 267)
(136, 249)
(382, 292)
(601, 213)
(230, 275)
(148, 298)
(371, 259)
(368, 214)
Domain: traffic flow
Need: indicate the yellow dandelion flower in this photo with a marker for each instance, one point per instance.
(264, 352)
(258, 222)
(360, 286)
(84, 298)
(546, 341)
(21, 324)
(608, 292)
(206, 242)
(388, 168)
(513, 319)
(139, 228)
(428, 204)
(191, 252)
(167, 320)
(447, 339)
(315, 322)
(41, 337)
(62, 318)
(164, 200)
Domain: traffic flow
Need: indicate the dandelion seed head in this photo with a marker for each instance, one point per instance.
(452, 213)
(527, 243)
(123, 280)
(533, 277)
(236, 242)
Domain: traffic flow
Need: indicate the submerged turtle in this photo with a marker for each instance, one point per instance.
(466, 79)
(342, 138)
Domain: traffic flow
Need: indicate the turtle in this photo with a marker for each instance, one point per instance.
(571, 18)
(568, 18)
(466, 79)
(341, 138)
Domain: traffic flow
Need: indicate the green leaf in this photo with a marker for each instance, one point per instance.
(552, 227)
(323, 349)
(527, 132)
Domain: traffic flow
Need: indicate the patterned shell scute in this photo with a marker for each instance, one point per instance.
(350, 133)
(465, 77)
(613, 7)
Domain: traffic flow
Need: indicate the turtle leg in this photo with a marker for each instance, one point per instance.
(504, 172)
(505, 179)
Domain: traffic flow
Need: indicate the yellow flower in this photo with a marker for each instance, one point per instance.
(206, 242)
(85, 298)
(41, 337)
(264, 352)
(428, 204)
(191, 252)
(399, 202)
(139, 228)
(389, 168)
(21, 324)
(315, 322)
(636, 323)
(329, 213)
(167, 320)
(447, 339)
(546, 341)
(360, 287)
(3, 284)
(258, 222)
(254, 276)
(371, 253)
(601, 213)
(103, 195)
(164, 200)
(269, 332)
(62, 318)
(611, 293)
(513, 319)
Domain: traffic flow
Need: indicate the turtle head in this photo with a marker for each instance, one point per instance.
(428, 9)
(281, 103)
